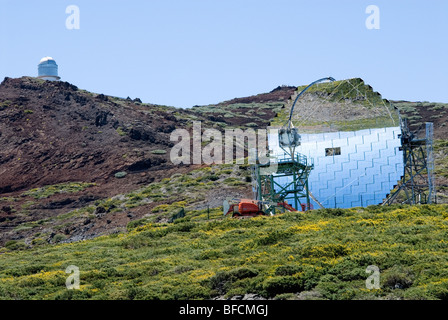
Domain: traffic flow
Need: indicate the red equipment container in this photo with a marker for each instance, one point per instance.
(248, 206)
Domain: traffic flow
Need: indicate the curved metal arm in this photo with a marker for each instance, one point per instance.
(309, 86)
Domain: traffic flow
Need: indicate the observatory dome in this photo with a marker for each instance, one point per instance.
(47, 69)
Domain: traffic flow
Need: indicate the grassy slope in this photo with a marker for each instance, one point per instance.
(325, 251)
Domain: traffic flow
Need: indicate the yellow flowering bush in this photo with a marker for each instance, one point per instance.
(322, 251)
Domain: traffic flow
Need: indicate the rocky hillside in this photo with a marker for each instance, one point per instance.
(52, 132)
(254, 111)
(76, 164)
(78, 147)
(66, 149)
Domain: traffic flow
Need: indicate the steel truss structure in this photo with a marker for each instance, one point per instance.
(417, 185)
(289, 182)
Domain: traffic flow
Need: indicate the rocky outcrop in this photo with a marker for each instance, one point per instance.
(53, 132)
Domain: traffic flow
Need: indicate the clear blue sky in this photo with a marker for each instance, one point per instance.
(188, 52)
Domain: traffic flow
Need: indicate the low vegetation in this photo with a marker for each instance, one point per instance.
(205, 255)
(45, 192)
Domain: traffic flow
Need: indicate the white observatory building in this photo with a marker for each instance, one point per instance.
(48, 69)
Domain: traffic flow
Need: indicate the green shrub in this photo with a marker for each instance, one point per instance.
(286, 296)
(5, 104)
(419, 293)
(331, 212)
(59, 237)
(349, 270)
(183, 227)
(273, 237)
(397, 278)
(15, 245)
(211, 177)
(121, 132)
(287, 270)
(210, 254)
(331, 287)
(136, 223)
(222, 281)
(282, 284)
(328, 250)
(251, 124)
(38, 241)
(182, 269)
(158, 151)
(120, 174)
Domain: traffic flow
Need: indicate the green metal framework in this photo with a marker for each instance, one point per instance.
(267, 186)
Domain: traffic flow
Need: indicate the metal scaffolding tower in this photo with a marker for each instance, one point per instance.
(417, 183)
(288, 183)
